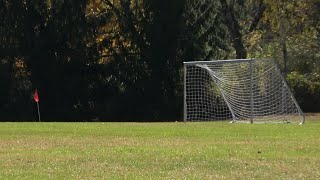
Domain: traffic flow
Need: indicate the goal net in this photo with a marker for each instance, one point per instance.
(240, 90)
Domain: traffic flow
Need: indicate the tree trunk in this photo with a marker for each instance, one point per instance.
(284, 26)
(284, 56)
(234, 30)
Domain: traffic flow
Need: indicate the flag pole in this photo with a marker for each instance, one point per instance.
(38, 111)
(36, 99)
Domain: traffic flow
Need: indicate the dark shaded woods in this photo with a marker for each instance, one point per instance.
(103, 60)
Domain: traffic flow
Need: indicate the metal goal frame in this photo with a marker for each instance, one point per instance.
(251, 62)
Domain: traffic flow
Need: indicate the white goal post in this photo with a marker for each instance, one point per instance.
(239, 90)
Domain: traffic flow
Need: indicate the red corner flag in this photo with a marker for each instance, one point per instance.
(36, 96)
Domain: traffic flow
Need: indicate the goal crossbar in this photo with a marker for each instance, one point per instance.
(217, 61)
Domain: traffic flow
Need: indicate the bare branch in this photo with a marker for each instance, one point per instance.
(258, 16)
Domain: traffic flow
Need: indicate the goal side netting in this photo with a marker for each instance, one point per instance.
(240, 90)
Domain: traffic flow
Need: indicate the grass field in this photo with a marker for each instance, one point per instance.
(215, 150)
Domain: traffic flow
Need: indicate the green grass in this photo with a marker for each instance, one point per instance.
(215, 150)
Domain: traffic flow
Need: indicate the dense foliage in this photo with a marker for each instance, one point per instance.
(122, 59)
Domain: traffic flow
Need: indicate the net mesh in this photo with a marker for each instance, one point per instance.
(238, 90)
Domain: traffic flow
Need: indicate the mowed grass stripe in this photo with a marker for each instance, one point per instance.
(214, 150)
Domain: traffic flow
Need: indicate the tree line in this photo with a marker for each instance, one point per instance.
(121, 60)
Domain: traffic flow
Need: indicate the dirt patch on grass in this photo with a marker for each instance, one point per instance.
(312, 116)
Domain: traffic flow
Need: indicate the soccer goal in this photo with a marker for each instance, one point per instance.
(240, 90)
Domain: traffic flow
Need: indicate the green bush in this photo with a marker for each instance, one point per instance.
(306, 89)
